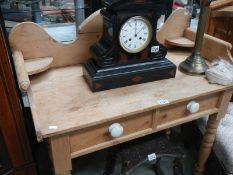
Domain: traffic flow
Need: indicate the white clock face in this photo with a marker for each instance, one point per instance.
(135, 34)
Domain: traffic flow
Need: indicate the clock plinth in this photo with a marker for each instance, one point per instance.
(100, 79)
(128, 52)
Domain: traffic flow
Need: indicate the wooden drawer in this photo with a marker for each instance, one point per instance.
(177, 111)
(99, 134)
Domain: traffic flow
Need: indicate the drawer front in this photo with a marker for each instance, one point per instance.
(179, 110)
(93, 136)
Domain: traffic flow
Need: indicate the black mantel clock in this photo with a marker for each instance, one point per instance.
(128, 52)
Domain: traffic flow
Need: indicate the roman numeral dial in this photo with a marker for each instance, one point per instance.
(135, 34)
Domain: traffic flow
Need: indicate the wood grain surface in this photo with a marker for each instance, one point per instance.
(175, 25)
(38, 65)
(99, 134)
(180, 41)
(34, 42)
(63, 100)
(60, 154)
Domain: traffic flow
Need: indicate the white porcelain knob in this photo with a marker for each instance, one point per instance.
(116, 130)
(193, 107)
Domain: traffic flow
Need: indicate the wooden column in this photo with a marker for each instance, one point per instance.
(210, 133)
(61, 156)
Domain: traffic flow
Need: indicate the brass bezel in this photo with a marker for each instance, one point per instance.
(147, 22)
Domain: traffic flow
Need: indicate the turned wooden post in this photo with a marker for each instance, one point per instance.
(22, 75)
(207, 143)
(210, 133)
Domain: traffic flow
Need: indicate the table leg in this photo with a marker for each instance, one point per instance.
(207, 143)
(61, 157)
(211, 129)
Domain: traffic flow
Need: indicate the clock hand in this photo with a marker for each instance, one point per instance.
(139, 31)
(135, 27)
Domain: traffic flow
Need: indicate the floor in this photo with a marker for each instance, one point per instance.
(93, 164)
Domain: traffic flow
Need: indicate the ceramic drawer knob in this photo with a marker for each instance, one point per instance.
(116, 130)
(193, 107)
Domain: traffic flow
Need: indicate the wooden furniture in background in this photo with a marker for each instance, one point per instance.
(179, 35)
(16, 157)
(208, 51)
(220, 23)
(76, 121)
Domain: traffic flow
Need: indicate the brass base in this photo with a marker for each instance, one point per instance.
(194, 65)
